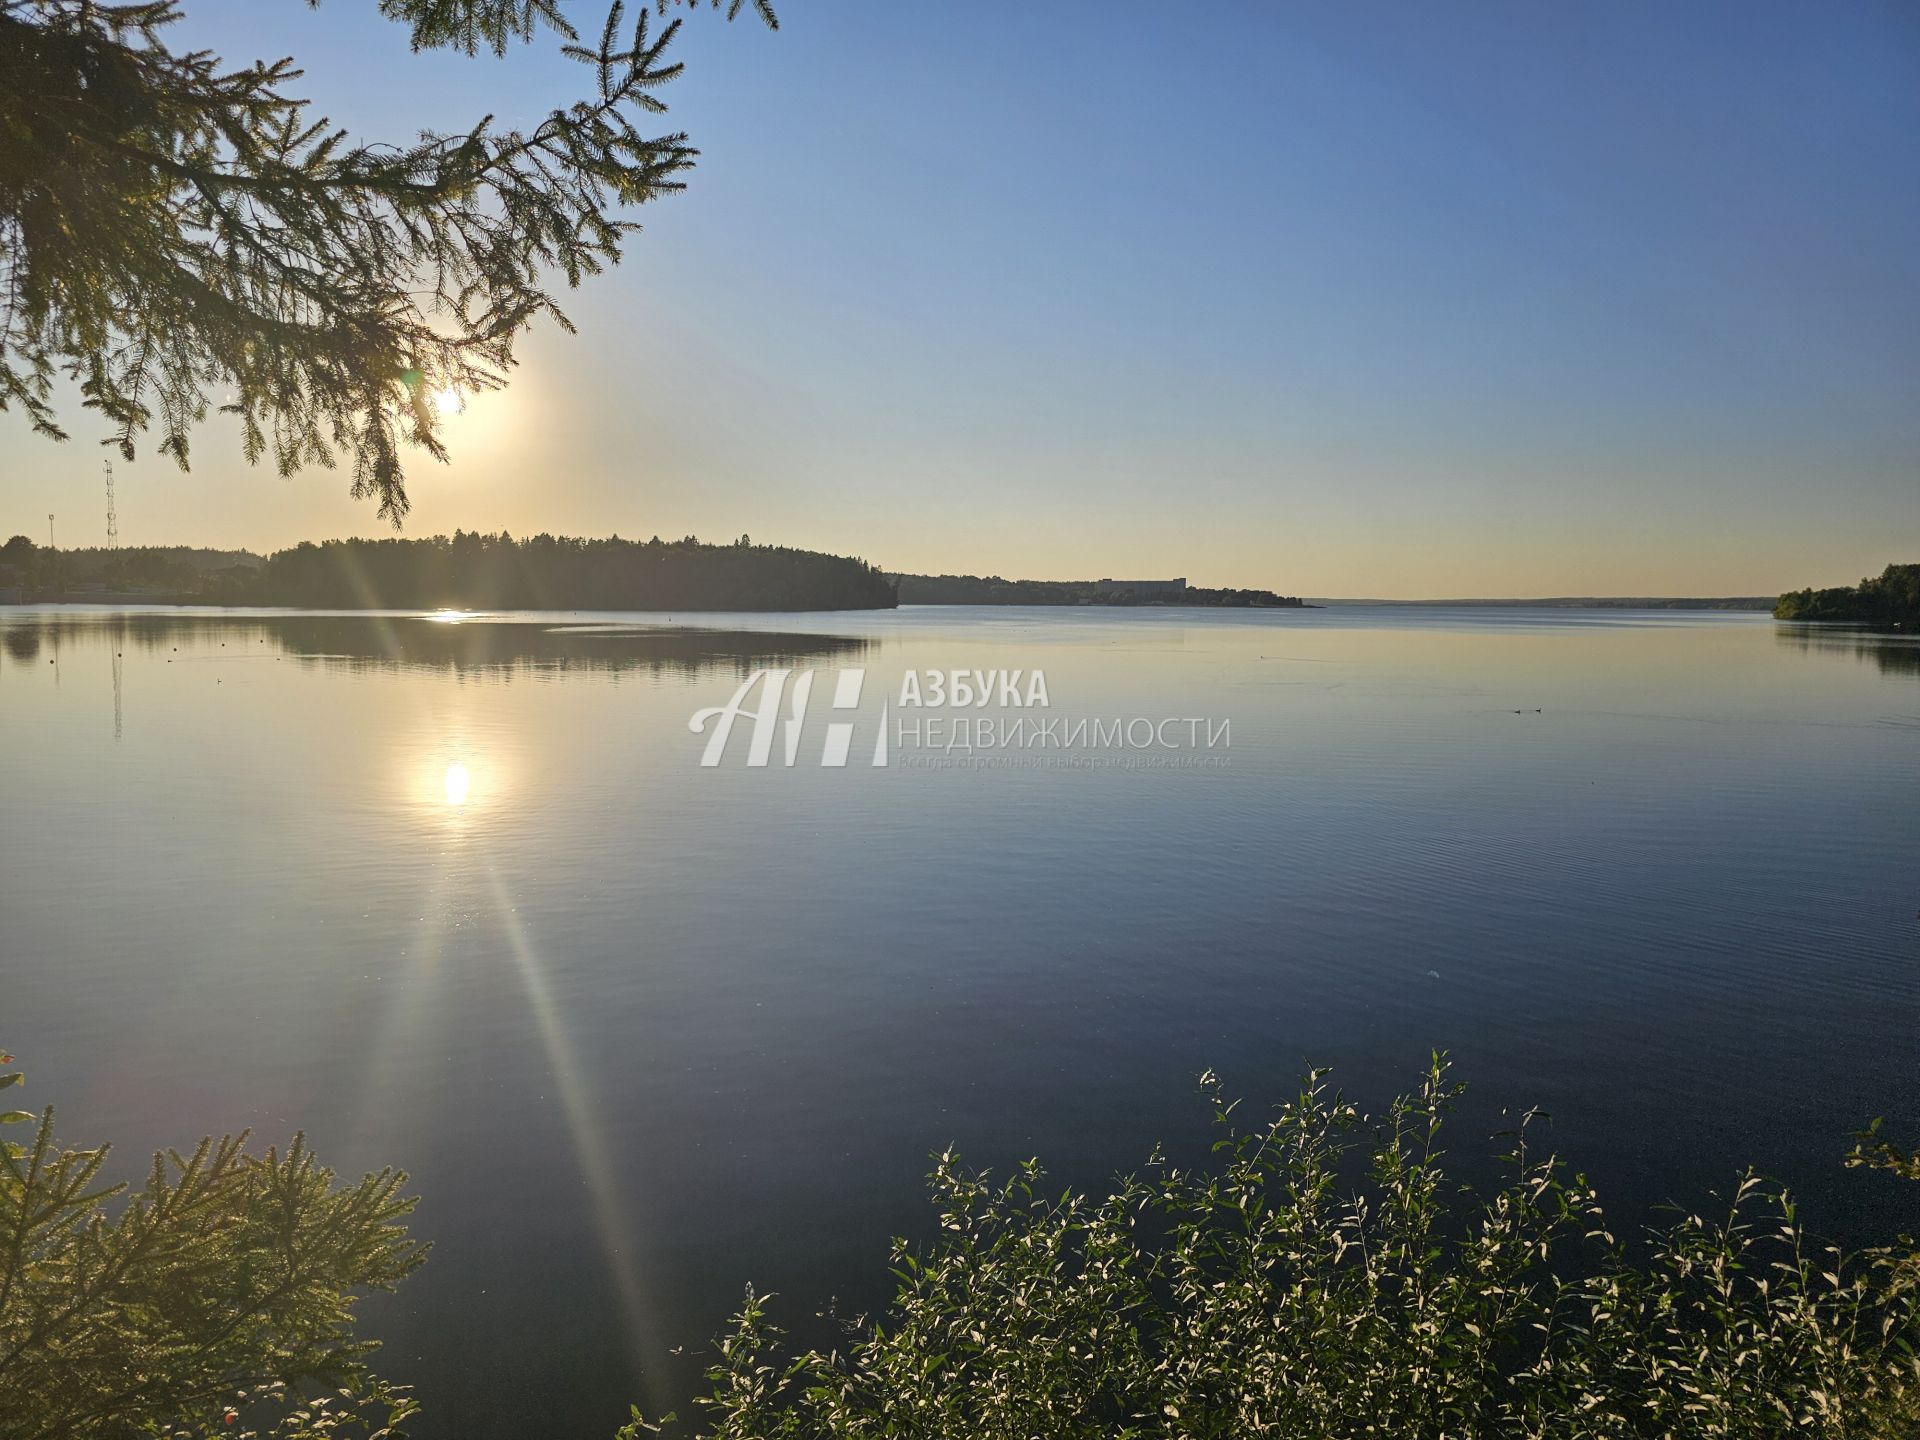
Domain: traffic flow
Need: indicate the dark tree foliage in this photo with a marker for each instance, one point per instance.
(173, 228)
(1890, 598)
(496, 572)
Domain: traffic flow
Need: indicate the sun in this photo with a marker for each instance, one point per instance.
(456, 782)
(447, 400)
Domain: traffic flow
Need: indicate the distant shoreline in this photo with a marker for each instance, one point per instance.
(1588, 602)
(1175, 593)
(107, 599)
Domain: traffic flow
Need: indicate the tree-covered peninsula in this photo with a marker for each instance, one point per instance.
(467, 571)
(472, 571)
(992, 590)
(1891, 598)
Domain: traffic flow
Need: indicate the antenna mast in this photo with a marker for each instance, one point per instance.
(113, 520)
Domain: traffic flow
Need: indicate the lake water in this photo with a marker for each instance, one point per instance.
(460, 897)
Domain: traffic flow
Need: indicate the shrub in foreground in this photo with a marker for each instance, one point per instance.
(216, 1299)
(1279, 1290)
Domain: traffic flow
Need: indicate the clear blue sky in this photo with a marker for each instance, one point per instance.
(1359, 299)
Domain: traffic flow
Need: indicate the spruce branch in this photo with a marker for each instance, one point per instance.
(173, 230)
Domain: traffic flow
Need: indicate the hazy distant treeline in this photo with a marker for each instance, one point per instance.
(1890, 598)
(1591, 602)
(471, 571)
(42, 571)
(992, 590)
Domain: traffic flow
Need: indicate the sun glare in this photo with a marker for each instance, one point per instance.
(447, 401)
(455, 783)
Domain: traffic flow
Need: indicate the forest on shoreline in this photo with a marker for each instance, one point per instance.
(992, 590)
(1890, 598)
(465, 571)
(471, 570)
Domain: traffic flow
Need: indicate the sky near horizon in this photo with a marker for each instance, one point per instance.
(1390, 300)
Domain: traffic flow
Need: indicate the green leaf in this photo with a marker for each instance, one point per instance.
(14, 1117)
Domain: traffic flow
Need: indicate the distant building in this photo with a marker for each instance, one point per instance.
(1176, 586)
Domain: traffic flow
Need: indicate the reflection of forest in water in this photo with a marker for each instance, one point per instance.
(368, 642)
(415, 642)
(1894, 653)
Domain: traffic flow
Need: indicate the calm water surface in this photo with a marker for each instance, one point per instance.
(460, 898)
